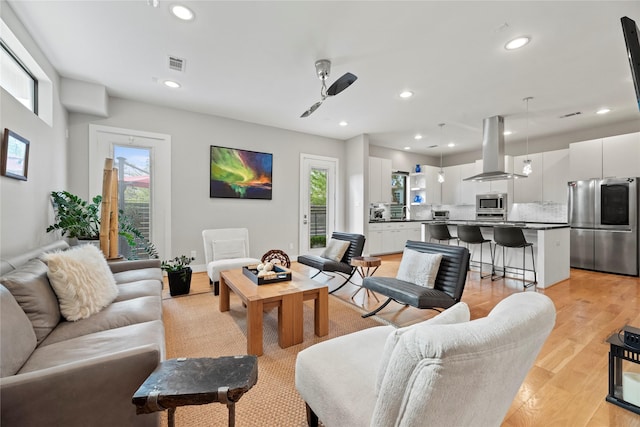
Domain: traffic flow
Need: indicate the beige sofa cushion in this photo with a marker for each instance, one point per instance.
(96, 345)
(30, 287)
(116, 315)
(82, 280)
(18, 338)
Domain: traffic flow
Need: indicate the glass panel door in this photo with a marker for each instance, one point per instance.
(317, 202)
(318, 208)
(134, 188)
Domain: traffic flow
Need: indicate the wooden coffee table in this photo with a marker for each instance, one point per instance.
(287, 296)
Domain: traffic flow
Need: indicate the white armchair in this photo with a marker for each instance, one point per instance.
(446, 371)
(225, 249)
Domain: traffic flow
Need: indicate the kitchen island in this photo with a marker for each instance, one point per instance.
(550, 246)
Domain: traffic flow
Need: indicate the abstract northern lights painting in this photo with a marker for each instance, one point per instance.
(240, 174)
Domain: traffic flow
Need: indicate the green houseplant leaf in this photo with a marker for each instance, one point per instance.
(78, 218)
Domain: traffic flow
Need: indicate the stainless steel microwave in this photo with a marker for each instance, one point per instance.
(494, 202)
(491, 207)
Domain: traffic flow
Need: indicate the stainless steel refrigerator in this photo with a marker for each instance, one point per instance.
(603, 216)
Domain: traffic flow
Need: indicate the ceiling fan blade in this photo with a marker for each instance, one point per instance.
(341, 84)
(311, 109)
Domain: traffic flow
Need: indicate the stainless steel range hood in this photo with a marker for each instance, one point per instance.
(493, 152)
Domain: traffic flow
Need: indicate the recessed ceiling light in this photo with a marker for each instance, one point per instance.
(603, 111)
(507, 132)
(517, 43)
(343, 123)
(407, 148)
(171, 84)
(451, 144)
(406, 94)
(182, 12)
(418, 136)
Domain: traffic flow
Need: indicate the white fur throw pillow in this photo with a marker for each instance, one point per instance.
(419, 268)
(81, 280)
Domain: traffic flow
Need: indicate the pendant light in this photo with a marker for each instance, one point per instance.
(441, 173)
(526, 170)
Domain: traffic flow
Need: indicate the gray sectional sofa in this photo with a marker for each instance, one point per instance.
(83, 373)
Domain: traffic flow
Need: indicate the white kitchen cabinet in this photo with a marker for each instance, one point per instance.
(379, 180)
(432, 186)
(451, 187)
(505, 185)
(528, 190)
(481, 187)
(621, 156)
(585, 160)
(391, 237)
(468, 189)
(374, 239)
(555, 175)
(413, 231)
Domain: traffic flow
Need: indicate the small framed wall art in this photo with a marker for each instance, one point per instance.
(240, 174)
(15, 155)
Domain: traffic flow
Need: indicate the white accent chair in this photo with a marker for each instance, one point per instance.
(445, 371)
(225, 249)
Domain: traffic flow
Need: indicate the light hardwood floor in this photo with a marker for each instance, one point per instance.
(568, 384)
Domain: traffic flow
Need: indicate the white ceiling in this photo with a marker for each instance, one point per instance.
(254, 61)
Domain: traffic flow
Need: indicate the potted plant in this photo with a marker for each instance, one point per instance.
(79, 220)
(76, 218)
(179, 274)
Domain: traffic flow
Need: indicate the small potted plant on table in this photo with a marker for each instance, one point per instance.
(179, 274)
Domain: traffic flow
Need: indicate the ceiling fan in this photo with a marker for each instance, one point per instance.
(323, 68)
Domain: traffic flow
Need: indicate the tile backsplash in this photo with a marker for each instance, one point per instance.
(539, 212)
(529, 212)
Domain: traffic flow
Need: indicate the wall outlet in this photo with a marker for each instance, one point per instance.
(290, 245)
(194, 254)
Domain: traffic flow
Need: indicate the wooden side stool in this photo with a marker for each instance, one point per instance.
(366, 267)
(197, 381)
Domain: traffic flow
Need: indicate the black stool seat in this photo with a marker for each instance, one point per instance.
(471, 234)
(513, 237)
(440, 232)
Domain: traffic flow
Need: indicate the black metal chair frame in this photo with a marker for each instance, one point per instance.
(479, 241)
(449, 284)
(515, 270)
(356, 246)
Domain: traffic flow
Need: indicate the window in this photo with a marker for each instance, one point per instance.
(16, 78)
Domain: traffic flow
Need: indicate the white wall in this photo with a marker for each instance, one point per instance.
(25, 207)
(403, 160)
(357, 180)
(272, 224)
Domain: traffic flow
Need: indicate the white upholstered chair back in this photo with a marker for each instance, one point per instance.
(464, 374)
(444, 371)
(222, 235)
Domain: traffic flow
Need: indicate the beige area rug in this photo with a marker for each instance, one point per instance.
(196, 328)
